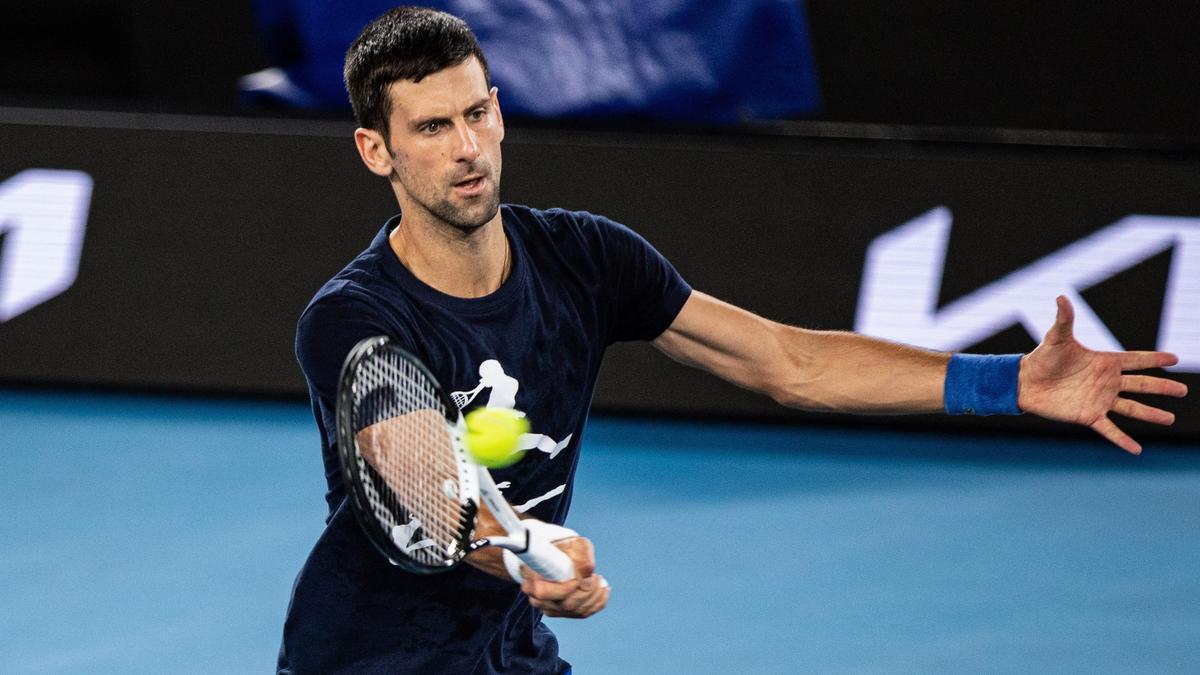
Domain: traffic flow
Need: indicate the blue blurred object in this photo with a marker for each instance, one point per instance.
(677, 61)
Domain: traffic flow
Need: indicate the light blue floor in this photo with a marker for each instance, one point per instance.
(154, 534)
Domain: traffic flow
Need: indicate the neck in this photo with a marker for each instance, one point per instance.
(457, 263)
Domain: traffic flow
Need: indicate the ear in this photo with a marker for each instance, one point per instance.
(496, 106)
(373, 151)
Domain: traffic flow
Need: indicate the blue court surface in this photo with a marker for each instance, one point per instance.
(154, 534)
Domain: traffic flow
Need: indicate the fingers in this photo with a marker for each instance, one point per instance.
(1144, 360)
(1133, 410)
(577, 598)
(1143, 412)
(577, 605)
(580, 597)
(1146, 384)
(1064, 320)
(587, 604)
(1108, 430)
(540, 588)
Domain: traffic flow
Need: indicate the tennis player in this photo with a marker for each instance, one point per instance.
(515, 306)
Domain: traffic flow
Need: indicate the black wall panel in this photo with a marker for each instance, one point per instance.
(205, 238)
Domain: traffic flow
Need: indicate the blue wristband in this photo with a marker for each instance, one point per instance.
(982, 384)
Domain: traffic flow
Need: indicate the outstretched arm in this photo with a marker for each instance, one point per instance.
(846, 372)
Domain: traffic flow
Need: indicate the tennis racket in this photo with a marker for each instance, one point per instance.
(412, 486)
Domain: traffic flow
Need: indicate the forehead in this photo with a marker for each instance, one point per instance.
(445, 92)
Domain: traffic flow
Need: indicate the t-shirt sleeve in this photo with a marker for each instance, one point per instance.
(647, 291)
(325, 334)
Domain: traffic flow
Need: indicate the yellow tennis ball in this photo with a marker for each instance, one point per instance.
(493, 435)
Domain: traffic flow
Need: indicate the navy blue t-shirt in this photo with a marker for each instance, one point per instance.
(578, 283)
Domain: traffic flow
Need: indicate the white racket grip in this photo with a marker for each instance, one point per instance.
(542, 556)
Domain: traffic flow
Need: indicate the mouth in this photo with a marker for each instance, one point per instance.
(470, 186)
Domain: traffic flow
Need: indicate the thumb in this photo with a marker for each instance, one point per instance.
(1064, 321)
(584, 558)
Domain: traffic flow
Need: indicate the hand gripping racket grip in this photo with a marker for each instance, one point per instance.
(546, 559)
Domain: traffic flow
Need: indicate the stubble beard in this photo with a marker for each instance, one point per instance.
(478, 211)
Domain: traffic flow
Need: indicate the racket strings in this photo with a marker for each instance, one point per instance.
(403, 433)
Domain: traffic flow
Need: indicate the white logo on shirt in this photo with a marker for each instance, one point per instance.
(402, 536)
(502, 393)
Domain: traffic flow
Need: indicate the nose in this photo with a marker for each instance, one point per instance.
(467, 144)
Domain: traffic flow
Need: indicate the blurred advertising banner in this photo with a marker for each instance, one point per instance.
(176, 253)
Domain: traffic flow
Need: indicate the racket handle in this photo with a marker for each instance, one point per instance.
(547, 559)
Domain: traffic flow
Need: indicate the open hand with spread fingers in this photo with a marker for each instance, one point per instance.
(1065, 381)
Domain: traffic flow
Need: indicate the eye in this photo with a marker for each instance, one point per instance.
(431, 128)
(477, 114)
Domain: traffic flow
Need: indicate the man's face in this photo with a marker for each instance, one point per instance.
(445, 134)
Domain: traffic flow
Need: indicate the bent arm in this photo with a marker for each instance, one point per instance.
(806, 369)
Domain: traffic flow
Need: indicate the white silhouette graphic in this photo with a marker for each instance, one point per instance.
(538, 500)
(543, 443)
(503, 394)
(503, 387)
(402, 535)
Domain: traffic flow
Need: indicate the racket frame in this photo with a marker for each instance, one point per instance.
(353, 478)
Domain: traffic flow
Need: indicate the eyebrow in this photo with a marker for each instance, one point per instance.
(418, 123)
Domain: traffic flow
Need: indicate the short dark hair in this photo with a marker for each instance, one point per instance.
(406, 43)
